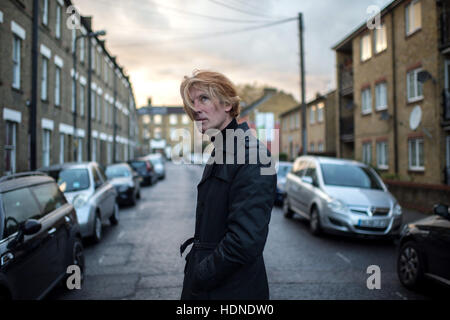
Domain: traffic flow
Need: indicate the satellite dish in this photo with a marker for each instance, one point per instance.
(415, 117)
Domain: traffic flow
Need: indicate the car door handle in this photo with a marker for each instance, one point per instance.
(52, 231)
(6, 258)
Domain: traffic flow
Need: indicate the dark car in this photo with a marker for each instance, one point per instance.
(145, 169)
(424, 250)
(282, 170)
(126, 181)
(40, 236)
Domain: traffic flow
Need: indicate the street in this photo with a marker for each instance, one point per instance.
(140, 259)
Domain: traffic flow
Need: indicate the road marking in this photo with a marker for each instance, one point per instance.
(401, 296)
(120, 234)
(340, 255)
(100, 260)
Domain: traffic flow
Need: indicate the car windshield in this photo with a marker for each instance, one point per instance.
(70, 180)
(137, 164)
(117, 172)
(283, 170)
(156, 160)
(348, 175)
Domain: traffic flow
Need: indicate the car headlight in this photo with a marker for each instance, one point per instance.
(338, 206)
(397, 210)
(80, 201)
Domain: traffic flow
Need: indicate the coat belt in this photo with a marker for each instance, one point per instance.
(197, 245)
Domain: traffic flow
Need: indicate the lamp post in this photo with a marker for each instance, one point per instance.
(88, 36)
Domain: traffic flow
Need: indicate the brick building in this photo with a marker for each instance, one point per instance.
(392, 93)
(58, 140)
(320, 127)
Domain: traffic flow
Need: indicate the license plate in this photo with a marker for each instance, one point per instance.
(376, 223)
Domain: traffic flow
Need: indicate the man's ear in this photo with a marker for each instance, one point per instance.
(228, 107)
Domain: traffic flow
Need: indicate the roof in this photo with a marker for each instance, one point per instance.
(65, 166)
(160, 110)
(268, 93)
(331, 160)
(345, 42)
(24, 181)
(316, 99)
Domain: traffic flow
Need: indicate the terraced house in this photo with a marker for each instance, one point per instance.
(393, 93)
(60, 95)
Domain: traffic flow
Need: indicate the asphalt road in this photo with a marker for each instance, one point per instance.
(139, 258)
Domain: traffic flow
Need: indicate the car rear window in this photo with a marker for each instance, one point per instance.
(19, 205)
(117, 172)
(138, 164)
(347, 175)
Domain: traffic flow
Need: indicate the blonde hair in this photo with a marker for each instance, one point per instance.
(216, 84)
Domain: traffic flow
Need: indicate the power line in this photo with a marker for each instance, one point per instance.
(210, 35)
(237, 9)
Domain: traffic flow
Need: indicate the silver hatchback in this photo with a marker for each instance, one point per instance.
(84, 185)
(338, 195)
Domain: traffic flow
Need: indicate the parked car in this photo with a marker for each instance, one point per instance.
(39, 236)
(126, 181)
(341, 196)
(94, 199)
(283, 169)
(145, 169)
(424, 250)
(158, 163)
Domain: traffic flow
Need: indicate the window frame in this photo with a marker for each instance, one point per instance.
(44, 78)
(46, 147)
(417, 84)
(17, 52)
(409, 13)
(416, 166)
(382, 30)
(367, 42)
(58, 29)
(366, 109)
(58, 86)
(12, 148)
(367, 153)
(378, 106)
(382, 150)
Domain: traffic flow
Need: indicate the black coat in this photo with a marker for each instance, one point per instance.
(234, 205)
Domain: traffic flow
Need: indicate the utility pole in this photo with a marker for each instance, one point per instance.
(302, 77)
(34, 72)
(114, 113)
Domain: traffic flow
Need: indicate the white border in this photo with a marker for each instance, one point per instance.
(47, 124)
(18, 30)
(46, 52)
(60, 62)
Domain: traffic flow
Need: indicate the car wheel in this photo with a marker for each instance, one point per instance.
(288, 213)
(410, 266)
(114, 219)
(97, 236)
(138, 194)
(314, 222)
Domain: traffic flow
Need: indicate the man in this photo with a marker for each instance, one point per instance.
(234, 202)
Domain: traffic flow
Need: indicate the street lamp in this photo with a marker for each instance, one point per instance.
(88, 36)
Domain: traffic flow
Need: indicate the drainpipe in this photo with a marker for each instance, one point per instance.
(394, 92)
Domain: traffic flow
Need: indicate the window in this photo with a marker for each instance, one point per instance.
(300, 167)
(45, 12)
(381, 96)
(414, 88)
(415, 154)
(106, 71)
(44, 79)
(292, 122)
(57, 86)
(82, 99)
(46, 148)
(380, 38)
(74, 36)
(93, 99)
(80, 150)
(49, 197)
(185, 119)
(173, 119)
(146, 119)
(19, 205)
(109, 152)
(320, 107)
(367, 153)
(16, 62)
(94, 149)
(82, 49)
(311, 147)
(297, 120)
(105, 116)
(58, 22)
(74, 83)
(312, 115)
(157, 119)
(413, 13)
(93, 51)
(312, 172)
(366, 101)
(157, 133)
(61, 148)
(366, 48)
(99, 108)
(382, 155)
(10, 147)
(320, 147)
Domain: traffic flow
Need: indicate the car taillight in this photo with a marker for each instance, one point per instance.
(149, 168)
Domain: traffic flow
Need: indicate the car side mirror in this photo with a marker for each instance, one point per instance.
(442, 210)
(307, 179)
(97, 185)
(29, 227)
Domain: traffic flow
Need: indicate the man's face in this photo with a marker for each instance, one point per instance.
(208, 111)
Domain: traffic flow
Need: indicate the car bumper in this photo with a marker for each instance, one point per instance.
(380, 226)
(125, 196)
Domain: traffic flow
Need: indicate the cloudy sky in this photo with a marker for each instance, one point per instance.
(160, 41)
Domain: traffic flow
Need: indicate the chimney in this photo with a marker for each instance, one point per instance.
(149, 101)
